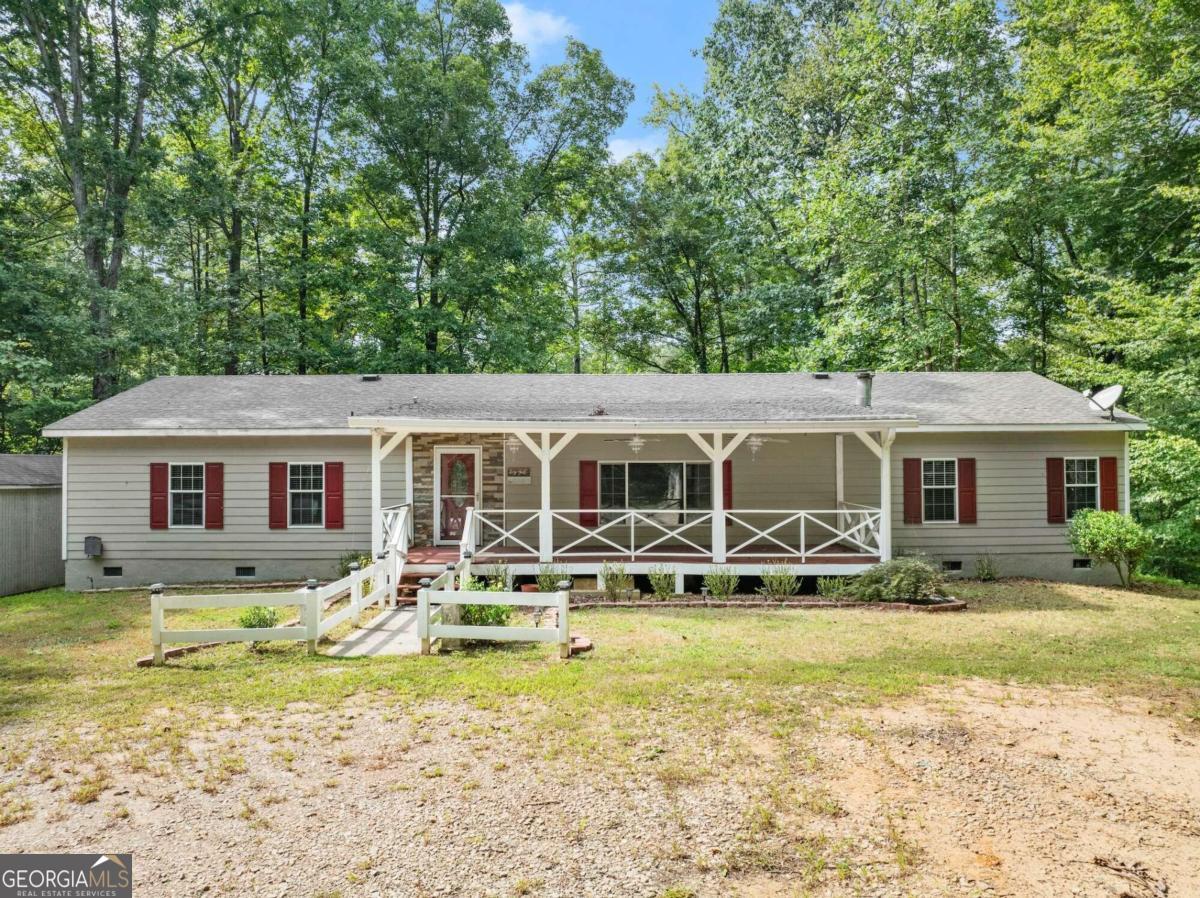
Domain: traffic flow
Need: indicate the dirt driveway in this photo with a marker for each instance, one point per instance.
(976, 790)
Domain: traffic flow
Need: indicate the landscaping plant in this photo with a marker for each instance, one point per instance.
(986, 568)
(617, 581)
(721, 583)
(258, 617)
(832, 587)
(548, 578)
(779, 580)
(348, 558)
(662, 582)
(1110, 537)
(899, 580)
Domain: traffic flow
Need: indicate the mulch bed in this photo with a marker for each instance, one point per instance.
(932, 606)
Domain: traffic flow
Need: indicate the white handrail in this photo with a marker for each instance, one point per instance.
(623, 531)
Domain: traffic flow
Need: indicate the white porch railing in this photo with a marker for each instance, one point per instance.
(397, 534)
(751, 534)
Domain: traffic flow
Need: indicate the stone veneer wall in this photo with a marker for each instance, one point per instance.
(492, 493)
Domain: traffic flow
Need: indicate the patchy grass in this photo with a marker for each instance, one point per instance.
(66, 661)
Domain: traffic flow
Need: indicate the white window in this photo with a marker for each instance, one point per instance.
(1082, 483)
(939, 488)
(654, 485)
(306, 495)
(187, 495)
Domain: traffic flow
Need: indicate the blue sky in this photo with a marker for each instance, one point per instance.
(649, 42)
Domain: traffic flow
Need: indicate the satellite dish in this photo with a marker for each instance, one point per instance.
(1106, 400)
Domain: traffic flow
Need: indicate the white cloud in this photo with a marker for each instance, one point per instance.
(624, 147)
(536, 28)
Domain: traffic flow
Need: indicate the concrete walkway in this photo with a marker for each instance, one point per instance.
(393, 632)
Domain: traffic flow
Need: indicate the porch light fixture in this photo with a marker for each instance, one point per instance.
(512, 444)
(636, 443)
(755, 442)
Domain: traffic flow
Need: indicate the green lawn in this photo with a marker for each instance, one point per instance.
(66, 659)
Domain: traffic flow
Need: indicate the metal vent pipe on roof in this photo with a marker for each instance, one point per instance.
(865, 379)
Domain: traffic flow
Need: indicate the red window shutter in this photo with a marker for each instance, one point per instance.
(278, 495)
(335, 518)
(159, 502)
(914, 511)
(727, 483)
(589, 492)
(1056, 499)
(214, 495)
(966, 491)
(1108, 483)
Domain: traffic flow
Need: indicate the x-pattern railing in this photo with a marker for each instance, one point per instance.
(856, 528)
(487, 530)
(635, 533)
(623, 524)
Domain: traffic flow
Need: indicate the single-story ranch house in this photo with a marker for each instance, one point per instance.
(264, 477)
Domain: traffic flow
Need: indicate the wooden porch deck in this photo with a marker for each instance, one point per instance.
(756, 554)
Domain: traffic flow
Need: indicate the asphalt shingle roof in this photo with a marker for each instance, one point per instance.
(325, 401)
(30, 470)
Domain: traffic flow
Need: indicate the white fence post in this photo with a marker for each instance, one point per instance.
(423, 615)
(564, 628)
(383, 574)
(312, 616)
(356, 580)
(156, 621)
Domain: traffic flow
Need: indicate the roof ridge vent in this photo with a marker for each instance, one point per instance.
(368, 378)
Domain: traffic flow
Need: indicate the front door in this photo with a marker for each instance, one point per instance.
(456, 488)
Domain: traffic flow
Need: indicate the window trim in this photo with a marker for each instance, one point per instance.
(953, 521)
(203, 492)
(321, 524)
(1095, 485)
(626, 462)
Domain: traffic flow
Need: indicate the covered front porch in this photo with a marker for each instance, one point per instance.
(812, 497)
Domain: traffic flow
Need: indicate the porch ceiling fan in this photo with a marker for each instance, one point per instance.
(755, 442)
(635, 443)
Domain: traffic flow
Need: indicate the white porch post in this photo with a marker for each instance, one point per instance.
(885, 495)
(545, 521)
(376, 494)
(718, 490)
(839, 480)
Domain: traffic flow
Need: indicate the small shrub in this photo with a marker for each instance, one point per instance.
(779, 580)
(485, 615)
(617, 581)
(721, 583)
(548, 578)
(986, 568)
(898, 580)
(662, 582)
(258, 617)
(1111, 537)
(501, 579)
(832, 587)
(348, 558)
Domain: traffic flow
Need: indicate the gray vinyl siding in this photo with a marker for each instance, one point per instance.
(109, 485)
(30, 539)
(1010, 480)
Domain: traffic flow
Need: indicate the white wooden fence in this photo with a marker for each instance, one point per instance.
(313, 623)
(438, 597)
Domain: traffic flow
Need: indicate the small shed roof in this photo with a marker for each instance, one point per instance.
(30, 470)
